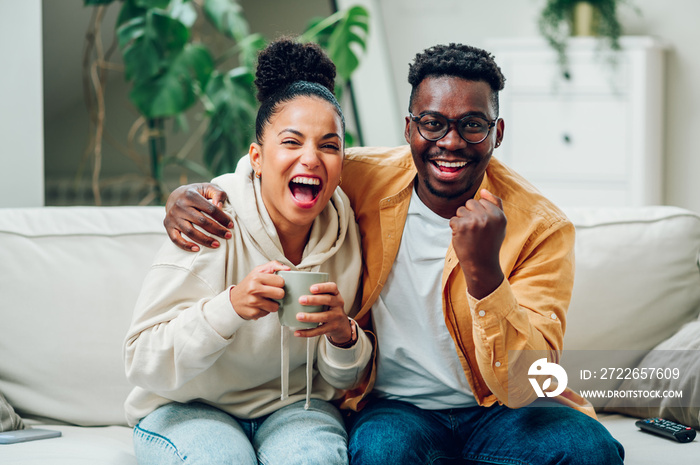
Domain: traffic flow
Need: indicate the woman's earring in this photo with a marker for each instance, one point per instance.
(340, 181)
(257, 175)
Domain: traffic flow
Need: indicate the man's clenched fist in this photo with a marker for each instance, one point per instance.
(478, 231)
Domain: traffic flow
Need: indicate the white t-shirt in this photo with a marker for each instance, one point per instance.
(417, 358)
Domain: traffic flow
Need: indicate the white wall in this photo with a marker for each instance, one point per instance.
(373, 83)
(412, 25)
(21, 118)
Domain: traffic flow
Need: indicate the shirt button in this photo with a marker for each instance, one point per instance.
(482, 313)
(498, 364)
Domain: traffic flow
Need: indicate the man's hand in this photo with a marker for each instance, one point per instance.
(254, 297)
(478, 231)
(188, 206)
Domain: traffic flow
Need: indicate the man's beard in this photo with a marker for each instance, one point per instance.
(444, 195)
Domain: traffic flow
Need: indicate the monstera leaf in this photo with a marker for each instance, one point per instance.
(167, 72)
(152, 3)
(227, 18)
(232, 108)
(176, 87)
(248, 50)
(338, 34)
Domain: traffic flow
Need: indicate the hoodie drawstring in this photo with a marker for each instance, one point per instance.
(284, 343)
(309, 372)
(284, 375)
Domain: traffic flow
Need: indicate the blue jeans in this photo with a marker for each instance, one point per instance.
(197, 433)
(389, 431)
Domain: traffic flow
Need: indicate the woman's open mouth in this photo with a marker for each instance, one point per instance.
(305, 190)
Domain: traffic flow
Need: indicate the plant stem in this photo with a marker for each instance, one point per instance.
(156, 145)
(98, 79)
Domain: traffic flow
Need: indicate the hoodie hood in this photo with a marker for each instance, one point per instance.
(328, 231)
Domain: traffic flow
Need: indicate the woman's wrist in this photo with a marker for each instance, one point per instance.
(350, 342)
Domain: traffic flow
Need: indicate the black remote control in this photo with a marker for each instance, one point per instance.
(667, 428)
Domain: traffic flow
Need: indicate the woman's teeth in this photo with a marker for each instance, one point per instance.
(305, 180)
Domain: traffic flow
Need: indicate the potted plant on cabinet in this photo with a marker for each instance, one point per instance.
(561, 19)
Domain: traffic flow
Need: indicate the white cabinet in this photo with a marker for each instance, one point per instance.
(593, 137)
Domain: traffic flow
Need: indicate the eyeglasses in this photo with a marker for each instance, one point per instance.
(434, 126)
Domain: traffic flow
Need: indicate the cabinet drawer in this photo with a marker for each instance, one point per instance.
(575, 138)
(588, 74)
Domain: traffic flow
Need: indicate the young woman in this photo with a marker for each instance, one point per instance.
(203, 348)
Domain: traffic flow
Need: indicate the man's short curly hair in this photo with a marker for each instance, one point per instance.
(456, 60)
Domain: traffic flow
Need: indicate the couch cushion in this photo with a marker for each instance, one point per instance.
(637, 278)
(70, 277)
(111, 445)
(682, 352)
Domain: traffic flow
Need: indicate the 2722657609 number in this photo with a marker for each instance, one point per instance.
(637, 373)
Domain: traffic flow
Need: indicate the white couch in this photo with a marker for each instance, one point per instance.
(69, 277)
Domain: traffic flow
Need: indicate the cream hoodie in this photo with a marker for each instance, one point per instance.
(187, 343)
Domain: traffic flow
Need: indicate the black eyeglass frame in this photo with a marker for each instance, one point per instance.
(415, 119)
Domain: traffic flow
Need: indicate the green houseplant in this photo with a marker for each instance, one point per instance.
(172, 72)
(560, 19)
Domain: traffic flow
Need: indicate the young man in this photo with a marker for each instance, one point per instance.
(466, 268)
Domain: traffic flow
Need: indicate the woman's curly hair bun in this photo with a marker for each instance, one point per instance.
(285, 61)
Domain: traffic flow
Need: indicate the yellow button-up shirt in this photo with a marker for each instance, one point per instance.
(526, 312)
